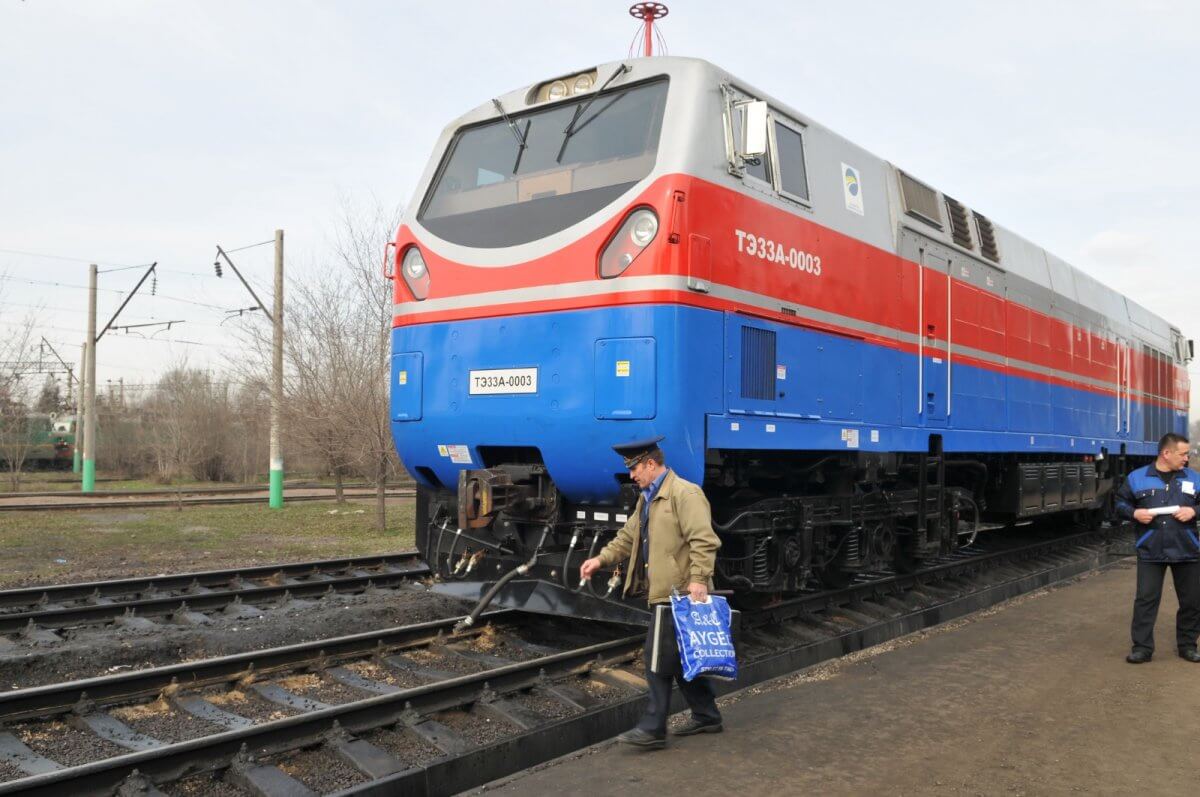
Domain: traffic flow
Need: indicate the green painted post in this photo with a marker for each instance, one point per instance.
(276, 501)
(89, 393)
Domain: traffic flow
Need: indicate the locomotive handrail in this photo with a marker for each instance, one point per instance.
(949, 337)
(921, 333)
(389, 274)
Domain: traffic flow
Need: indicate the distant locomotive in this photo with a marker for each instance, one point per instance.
(48, 443)
(861, 371)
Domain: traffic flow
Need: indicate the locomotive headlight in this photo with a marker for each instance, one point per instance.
(558, 90)
(414, 264)
(582, 83)
(415, 273)
(644, 227)
(630, 240)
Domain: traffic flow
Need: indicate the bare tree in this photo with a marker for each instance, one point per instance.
(49, 400)
(16, 377)
(251, 420)
(324, 379)
(319, 378)
(190, 425)
(336, 357)
(359, 246)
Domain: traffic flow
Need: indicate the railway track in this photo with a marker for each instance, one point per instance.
(419, 710)
(183, 498)
(37, 613)
(185, 490)
(414, 676)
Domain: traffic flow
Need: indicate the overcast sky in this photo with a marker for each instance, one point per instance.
(151, 130)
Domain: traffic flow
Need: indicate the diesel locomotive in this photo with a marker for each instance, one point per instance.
(861, 371)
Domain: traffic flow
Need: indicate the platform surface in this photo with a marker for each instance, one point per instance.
(1031, 697)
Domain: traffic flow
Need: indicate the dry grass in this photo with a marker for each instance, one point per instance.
(56, 546)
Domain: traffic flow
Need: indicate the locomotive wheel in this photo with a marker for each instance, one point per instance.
(833, 576)
(883, 542)
(903, 559)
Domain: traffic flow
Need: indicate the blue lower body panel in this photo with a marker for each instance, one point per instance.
(603, 377)
(581, 381)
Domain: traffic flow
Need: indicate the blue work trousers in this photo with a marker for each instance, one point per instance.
(1150, 576)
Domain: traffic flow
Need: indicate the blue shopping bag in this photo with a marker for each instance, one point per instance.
(705, 637)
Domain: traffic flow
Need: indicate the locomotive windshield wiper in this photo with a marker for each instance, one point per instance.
(580, 110)
(521, 137)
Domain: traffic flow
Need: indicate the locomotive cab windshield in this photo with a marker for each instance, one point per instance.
(513, 180)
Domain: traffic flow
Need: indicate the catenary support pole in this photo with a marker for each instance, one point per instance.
(77, 463)
(89, 396)
(276, 496)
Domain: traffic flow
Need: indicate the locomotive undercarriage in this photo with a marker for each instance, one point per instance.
(788, 520)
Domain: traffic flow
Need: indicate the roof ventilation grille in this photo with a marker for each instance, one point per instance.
(960, 228)
(920, 200)
(987, 238)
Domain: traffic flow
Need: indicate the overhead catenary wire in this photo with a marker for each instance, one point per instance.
(250, 246)
(67, 257)
(124, 268)
(8, 278)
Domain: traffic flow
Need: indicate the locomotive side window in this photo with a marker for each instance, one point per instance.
(789, 160)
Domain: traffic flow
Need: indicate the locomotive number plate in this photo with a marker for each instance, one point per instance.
(501, 381)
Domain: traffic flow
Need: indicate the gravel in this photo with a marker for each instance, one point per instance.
(210, 784)
(404, 745)
(92, 652)
(321, 770)
(10, 772)
(249, 705)
(596, 689)
(66, 744)
(432, 659)
(479, 729)
(496, 643)
(388, 675)
(544, 706)
(164, 722)
(320, 688)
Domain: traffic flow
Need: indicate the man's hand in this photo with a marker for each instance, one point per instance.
(589, 567)
(1143, 515)
(1185, 514)
(698, 592)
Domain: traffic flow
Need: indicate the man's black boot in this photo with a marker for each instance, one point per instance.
(1191, 654)
(1141, 656)
(643, 739)
(694, 726)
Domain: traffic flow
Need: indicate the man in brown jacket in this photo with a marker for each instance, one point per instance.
(679, 553)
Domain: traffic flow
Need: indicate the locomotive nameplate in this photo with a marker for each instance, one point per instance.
(503, 381)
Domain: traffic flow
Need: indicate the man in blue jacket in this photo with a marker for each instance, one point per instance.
(1161, 500)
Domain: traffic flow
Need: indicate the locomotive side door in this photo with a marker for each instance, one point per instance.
(933, 338)
(1124, 363)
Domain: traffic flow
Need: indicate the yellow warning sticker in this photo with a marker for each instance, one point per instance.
(622, 367)
(403, 378)
(443, 451)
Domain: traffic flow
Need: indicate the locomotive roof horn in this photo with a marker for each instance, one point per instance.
(647, 13)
